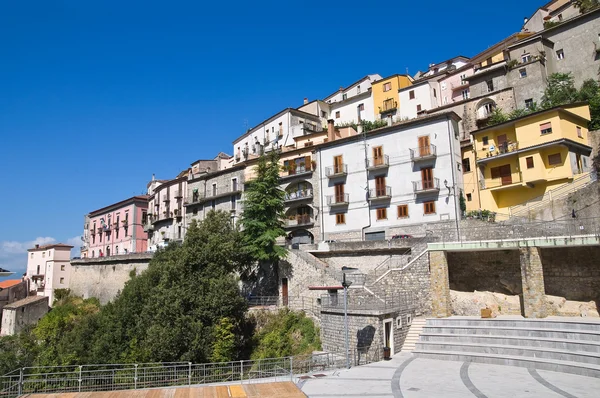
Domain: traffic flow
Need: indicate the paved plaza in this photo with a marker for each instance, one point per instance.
(405, 376)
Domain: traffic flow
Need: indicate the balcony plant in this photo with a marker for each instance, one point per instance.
(313, 164)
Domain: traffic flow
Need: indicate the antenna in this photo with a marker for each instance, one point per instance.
(245, 124)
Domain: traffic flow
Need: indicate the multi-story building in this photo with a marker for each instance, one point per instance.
(524, 158)
(352, 104)
(48, 268)
(85, 237)
(385, 95)
(385, 181)
(117, 229)
(166, 211)
(550, 14)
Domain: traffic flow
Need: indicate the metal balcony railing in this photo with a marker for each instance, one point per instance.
(298, 195)
(380, 193)
(423, 152)
(426, 185)
(388, 106)
(298, 220)
(378, 162)
(338, 200)
(337, 170)
(296, 170)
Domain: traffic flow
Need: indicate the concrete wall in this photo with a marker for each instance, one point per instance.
(29, 312)
(14, 293)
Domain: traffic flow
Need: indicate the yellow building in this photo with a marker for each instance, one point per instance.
(470, 180)
(385, 94)
(524, 158)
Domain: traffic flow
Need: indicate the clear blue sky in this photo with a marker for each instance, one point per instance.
(97, 96)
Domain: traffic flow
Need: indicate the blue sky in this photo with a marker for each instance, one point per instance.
(95, 97)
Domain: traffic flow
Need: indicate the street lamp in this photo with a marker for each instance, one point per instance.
(345, 285)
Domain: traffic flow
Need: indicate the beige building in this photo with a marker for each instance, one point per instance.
(49, 268)
(22, 313)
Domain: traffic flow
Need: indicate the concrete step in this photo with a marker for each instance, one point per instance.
(514, 351)
(591, 324)
(583, 369)
(564, 334)
(518, 341)
(412, 337)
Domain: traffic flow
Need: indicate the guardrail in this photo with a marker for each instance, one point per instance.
(369, 302)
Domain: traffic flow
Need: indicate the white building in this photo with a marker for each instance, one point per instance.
(390, 179)
(49, 268)
(165, 220)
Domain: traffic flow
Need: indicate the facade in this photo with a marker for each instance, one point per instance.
(12, 290)
(116, 229)
(375, 184)
(85, 237)
(554, 12)
(352, 104)
(48, 268)
(385, 96)
(165, 221)
(524, 158)
(18, 315)
(470, 178)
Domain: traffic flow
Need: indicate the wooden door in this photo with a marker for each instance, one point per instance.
(339, 193)
(284, 291)
(427, 178)
(378, 156)
(380, 186)
(502, 143)
(338, 164)
(503, 173)
(424, 148)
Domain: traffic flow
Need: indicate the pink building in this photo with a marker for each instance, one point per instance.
(117, 229)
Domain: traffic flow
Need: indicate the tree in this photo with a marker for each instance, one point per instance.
(590, 92)
(262, 220)
(497, 117)
(586, 5)
(559, 91)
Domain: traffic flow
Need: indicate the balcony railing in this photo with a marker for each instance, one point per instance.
(489, 183)
(378, 163)
(298, 195)
(178, 194)
(338, 200)
(297, 170)
(336, 171)
(423, 152)
(299, 220)
(388, 106)
(459, 85)
(505, 147)
(312, 128)
(380, 193)
(224, 191)
(426, 185)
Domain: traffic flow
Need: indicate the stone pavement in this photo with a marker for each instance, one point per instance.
(405, 376)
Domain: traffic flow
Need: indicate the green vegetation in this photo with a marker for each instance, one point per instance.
(366, 124)
(586, 5)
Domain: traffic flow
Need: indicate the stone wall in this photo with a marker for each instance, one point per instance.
(103, 278)
(303, 270)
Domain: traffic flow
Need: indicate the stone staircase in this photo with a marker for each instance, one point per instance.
(414, 332)
(561, 344)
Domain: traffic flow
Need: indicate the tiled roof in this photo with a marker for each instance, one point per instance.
(9, 283)
(51, 246)
(25, 301)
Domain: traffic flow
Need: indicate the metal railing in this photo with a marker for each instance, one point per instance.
(380, 193)
(426, 185)
(500, 181)
(424, 152)
(300, 219)
(388, 106)
(337, 170)
(505, 147)
(378, 162)
(298, 170)
(112, 377)
(342, 199)
(297, 195)
(369, 302)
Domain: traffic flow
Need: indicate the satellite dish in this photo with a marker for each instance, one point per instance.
(492, 147)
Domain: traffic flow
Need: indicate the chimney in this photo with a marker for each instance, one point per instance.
(330, 130)
(305, 101)
(360, 129)
(37, 246)
(389, 120)
(525, 20)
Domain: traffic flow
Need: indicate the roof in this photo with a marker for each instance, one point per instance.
(496, 47)
(302, 113)
(391, 76)
(139, 198)
(9, 283)
(556, 108)
(25, 302)
(352, 85)
(52, 246)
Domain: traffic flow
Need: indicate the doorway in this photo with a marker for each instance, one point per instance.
(284, 291)
(388, 334)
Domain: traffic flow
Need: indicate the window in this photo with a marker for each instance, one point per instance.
(213, 204)
(427, 178)
(546, 128)
(529, 103)
(338, 164)
(233, 203)
(485, 141)
(469, 197)
(31, 256)
(358, 89)
(522, 73)
(214, 189)
(419, 108)
(466, 164)
(529, 161)
(579, 133)
(560, 54)
(93, 240)
(429, 207)
(117, 233)
(490, 85)
(380, 187)
(344, 96)
(361, 107)
(378, 156)
(339, 193)
(463, 79)
(554, 159)
(234, 184)
(402, 211)
(434, 93)
(337, 115)
(323, 114)
(560, 17)
(62, 267)
(525, 58)
(62, 281)
(280, 129)
(488, 109)
(387, 86)
(195, 211)
(382, 214)
(465, 94)
(116, 249)
(43, 254)
(340, 218)
(411, 94)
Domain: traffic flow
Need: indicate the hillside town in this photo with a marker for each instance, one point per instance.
(465, 187)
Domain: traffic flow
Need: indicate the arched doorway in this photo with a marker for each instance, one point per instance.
(300, 236)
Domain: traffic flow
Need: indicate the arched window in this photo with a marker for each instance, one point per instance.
(485, 109)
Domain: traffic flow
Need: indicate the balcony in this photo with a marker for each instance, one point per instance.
(148, 226)
(339, 170)
(178, 194)
(166, 198)
(296, 196)
(461, 85)
(381, 193)
(378, 163)
(388, 106)
(178, 213)
(426, 186)
(502, 183)
(492, 152)
(220, 192)
(299, 220)
(297, 171)
(194, 198)
(423, 153)
(338, 200)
